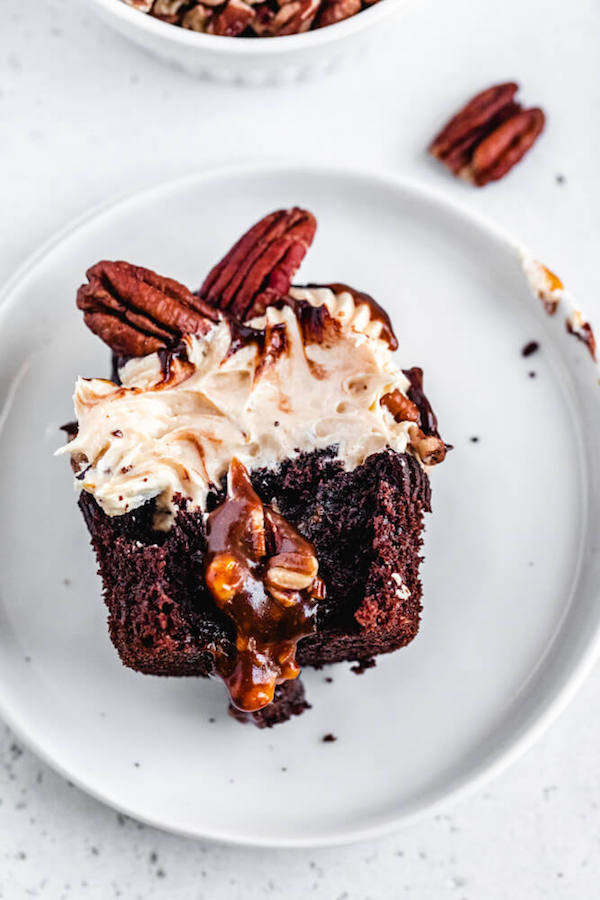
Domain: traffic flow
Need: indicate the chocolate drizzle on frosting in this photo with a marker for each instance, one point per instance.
(428, 419)
(242, 335)
(378, 313)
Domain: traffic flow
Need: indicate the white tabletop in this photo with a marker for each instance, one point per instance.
(85, 117)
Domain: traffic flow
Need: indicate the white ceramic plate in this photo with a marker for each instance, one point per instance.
(511, 617)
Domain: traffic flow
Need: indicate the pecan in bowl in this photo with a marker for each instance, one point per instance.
(251, 18)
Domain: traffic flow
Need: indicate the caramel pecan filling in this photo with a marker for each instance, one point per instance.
(263, 574)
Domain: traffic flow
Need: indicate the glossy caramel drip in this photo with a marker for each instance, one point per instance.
(263, 574)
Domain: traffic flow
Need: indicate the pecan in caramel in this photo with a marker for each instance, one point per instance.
(263, 574)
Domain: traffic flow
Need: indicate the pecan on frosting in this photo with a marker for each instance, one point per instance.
(280, 391)
(259, 268)
(209, 386)
(137, 312)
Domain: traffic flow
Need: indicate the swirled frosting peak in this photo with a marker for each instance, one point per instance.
(280, 387)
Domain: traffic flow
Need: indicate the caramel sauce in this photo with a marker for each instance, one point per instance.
(553, 281)
(262, 573)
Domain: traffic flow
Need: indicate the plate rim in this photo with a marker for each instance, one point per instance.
(551, 706)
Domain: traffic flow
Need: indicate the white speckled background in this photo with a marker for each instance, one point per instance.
(84, 117)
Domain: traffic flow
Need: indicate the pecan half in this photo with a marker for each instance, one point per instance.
(294, 17)
(231, 20)
(333, 11)
(259, 269)
(136, 312)
(504, 147)
(402, 409)
(483, 141)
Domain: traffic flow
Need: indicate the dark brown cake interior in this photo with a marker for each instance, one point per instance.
(365, 525)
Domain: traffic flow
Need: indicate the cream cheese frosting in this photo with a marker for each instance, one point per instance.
(158, 436)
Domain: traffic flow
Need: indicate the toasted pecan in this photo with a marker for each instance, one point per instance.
(489, 136)
(136, 312)
(259, 269)
(333, 11)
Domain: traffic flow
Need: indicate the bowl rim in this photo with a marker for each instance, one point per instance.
(549, 707)
(176, 35)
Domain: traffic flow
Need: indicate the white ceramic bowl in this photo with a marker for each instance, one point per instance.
(261, 61)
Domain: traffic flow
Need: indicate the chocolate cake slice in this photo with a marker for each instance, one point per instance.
(254, 480)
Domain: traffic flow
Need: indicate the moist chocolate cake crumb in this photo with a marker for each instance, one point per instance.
(328, 738)
(474, 439)
(530, 348)
(328, 680)
(365, 524)
(532, 374)
(363, 664)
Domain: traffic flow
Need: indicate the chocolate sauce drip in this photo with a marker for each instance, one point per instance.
(242, 335)
(166, 355)
(428, 419)
(70, 429)
(378, 313)
(248, 548)
(117, 362)
(316, 322)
